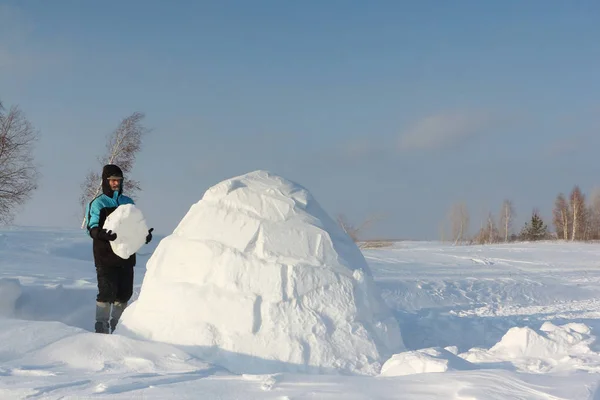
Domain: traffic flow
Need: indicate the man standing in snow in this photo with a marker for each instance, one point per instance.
(115, 274)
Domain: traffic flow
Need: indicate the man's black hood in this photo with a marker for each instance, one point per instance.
(108, 171)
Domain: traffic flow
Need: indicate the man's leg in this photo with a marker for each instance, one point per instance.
(107, 291)
(124, 293)
(102, 315)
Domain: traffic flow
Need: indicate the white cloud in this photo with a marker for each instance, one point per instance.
(443, 129)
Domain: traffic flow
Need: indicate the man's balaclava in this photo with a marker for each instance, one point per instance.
(111, 171)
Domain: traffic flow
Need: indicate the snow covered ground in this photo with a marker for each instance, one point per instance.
(515, 321)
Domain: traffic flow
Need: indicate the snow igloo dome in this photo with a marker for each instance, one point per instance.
(257, 278)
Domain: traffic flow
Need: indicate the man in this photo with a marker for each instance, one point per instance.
(115, 274)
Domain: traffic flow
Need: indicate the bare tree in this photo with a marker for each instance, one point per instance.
(586, 231)
(442, 231)
(488, 232)
(594, 215)
(121, 149)
(577, 202)
(347, 227)
(562, 217)
(507, 215)
(459, 222)
(18, 173)
(355, 231)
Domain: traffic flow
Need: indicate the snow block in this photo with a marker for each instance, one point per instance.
(128, 222)
(423, 361)
(258, 278)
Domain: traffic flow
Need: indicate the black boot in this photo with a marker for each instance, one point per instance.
(102, 315)
(117, 311)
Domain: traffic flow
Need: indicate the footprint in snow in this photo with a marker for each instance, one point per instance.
(482, 261)
(30, 372)
(267, 382)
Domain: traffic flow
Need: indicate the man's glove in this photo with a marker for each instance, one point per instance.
(149, 237)
(103, 234)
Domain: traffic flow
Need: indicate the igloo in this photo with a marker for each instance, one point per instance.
(257, 278)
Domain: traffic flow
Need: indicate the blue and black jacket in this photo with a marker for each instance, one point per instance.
(96, 213)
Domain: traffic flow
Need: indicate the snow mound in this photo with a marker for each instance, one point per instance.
(424, 361)
(40, 346)
(551, 342)
(128, 222)
(553, 348)
(10, 291)
(259, 279)
(86, 352)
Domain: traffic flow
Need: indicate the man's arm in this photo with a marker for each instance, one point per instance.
(125, 200)
(93, 217)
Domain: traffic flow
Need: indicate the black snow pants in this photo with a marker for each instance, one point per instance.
(115, 284)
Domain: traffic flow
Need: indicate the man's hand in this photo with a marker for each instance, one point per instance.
(149, 237)
(108, 236)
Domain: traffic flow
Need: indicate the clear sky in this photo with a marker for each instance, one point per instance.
(388, 108)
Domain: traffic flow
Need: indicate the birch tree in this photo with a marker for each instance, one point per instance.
(586, 231)
(507, 215)
(577, 202)
(562, 217)
(442, 230)
(488, 232)
(121, 149)
(18, 173)
(459, 222)
(594, 215)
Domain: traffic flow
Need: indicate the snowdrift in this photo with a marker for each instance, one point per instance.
(40, 346)
(259, 279)
(424, 361)
(552, 348)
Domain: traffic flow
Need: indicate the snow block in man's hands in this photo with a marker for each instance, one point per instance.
(128, 222)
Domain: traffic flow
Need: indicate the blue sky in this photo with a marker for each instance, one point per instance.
(384, 108)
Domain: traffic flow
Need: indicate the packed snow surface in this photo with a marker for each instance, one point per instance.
(515, 321)
(258, 278)
(128, 222)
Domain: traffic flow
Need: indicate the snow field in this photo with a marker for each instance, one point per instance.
(472, 330)
(319, 319)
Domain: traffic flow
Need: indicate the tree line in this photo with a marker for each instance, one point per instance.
(19, 174)
(574, 218)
